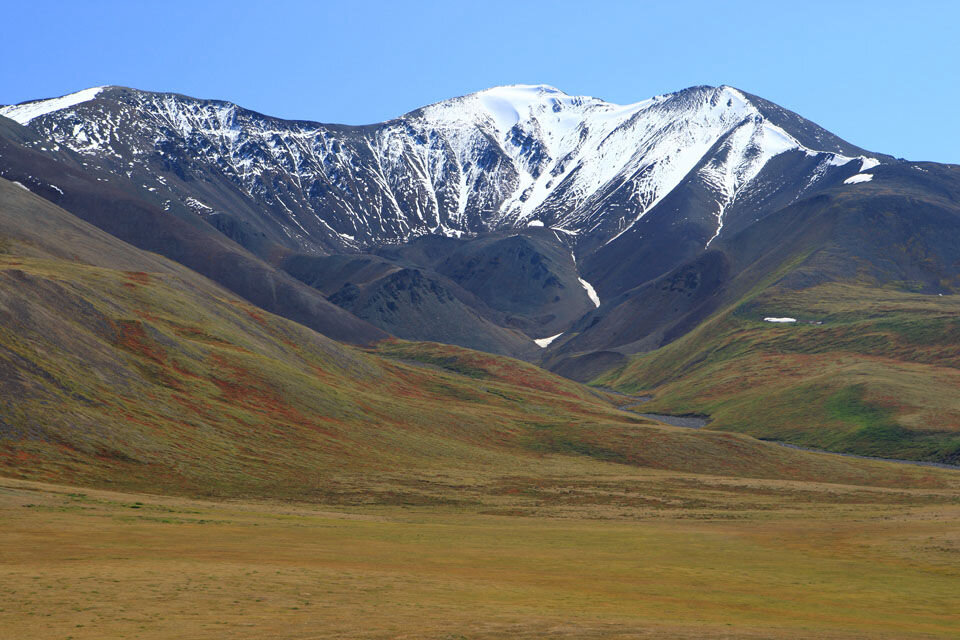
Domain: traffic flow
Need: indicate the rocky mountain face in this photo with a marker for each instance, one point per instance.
(519, 219)
(506, 157)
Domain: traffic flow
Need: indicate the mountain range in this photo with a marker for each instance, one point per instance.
(642, 245)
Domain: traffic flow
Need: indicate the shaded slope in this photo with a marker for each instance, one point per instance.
(414, 303)
(495, 292)
(529, 276)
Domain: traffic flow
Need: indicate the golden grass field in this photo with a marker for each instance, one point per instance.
(602, 551)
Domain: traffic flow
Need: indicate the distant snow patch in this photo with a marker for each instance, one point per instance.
(779, 319)
(868, 163)
(193, 203)
(860, 177)
(591, 292)
(543, 343)
(21, 186)
(535, 223)
(24, 113)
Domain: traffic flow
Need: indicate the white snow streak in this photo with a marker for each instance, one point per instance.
(543, 343)
(591, 292)
(780, 320)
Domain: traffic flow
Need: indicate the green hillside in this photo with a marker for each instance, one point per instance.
(867, 370)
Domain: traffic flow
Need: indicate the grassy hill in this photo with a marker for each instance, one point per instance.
(125, 369)
(868, 370)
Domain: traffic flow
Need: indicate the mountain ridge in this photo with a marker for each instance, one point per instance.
(497, 158)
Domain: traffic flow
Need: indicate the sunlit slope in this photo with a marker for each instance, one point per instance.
(863, 370)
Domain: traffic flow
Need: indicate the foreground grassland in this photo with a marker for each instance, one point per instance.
(623, 554)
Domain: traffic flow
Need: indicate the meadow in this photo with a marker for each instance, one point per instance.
(598, 552)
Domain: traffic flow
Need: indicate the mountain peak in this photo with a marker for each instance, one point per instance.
(531, 88)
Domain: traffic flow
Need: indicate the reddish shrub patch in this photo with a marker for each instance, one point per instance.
(134, 339)
(137, 277)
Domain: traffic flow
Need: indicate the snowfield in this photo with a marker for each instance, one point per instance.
(24, 113)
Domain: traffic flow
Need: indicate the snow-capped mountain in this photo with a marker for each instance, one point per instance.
(507, 157)
(517, 220)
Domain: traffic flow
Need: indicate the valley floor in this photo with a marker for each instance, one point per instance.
(645, 554)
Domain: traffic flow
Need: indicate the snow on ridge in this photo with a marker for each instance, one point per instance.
(858, 178)
(749, 148)
(25, 112)
(580, 162)
(780, 320)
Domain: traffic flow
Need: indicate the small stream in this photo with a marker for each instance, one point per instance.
(698, 422)
(690, 422)
(918, 463)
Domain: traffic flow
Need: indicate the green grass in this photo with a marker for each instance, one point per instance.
(877, 376)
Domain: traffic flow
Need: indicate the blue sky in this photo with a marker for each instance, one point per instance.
(880, 75)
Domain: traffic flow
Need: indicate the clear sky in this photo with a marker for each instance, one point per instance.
(883, 75)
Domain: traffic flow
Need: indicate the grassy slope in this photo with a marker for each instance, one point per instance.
(122, 367)
(879, 376)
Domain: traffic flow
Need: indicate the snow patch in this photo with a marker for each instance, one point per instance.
(543, 343)
(535, 223)
(868, 163)
(860, 177)
(193, 203)
(779, 319)
(27, 111)
(591, 292)
(21, 186)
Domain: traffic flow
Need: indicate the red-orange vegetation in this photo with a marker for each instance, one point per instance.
(133, 338)
(242, 387)
(137, 277)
